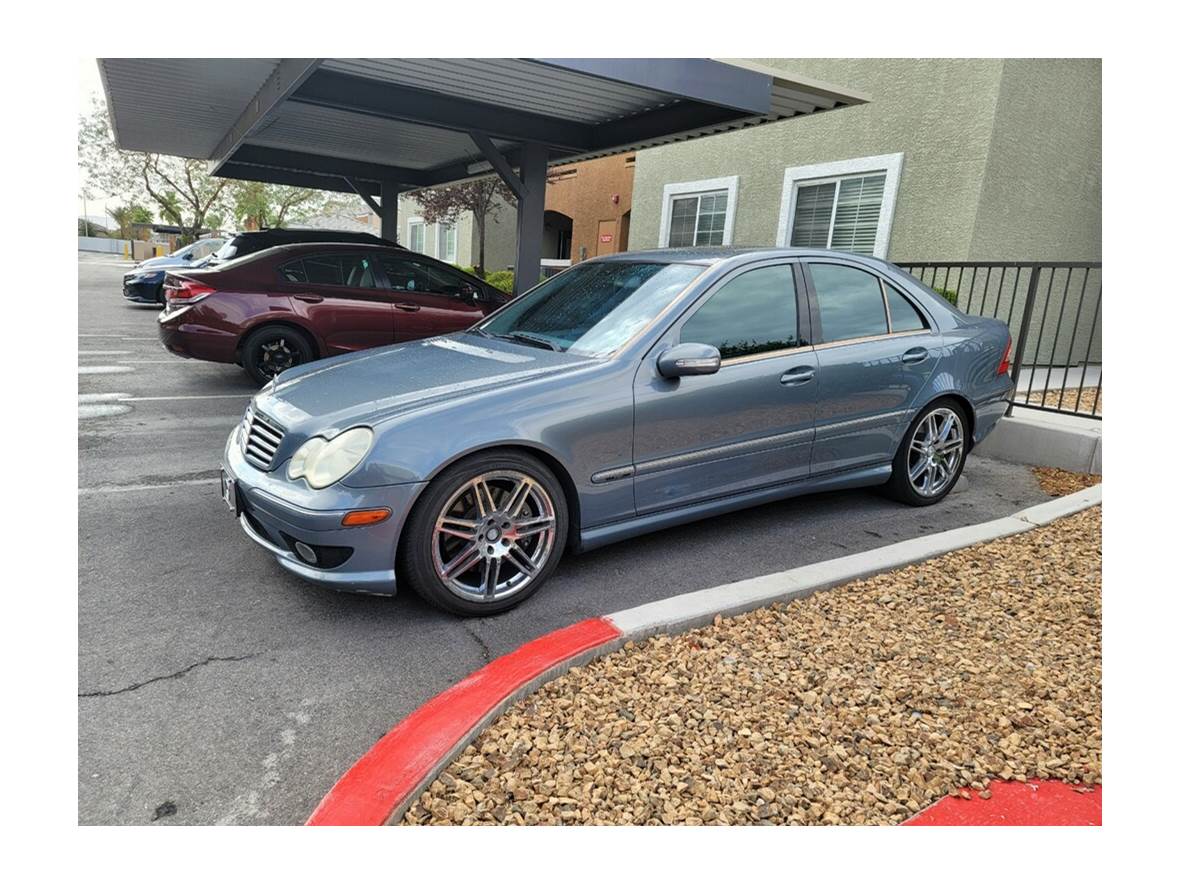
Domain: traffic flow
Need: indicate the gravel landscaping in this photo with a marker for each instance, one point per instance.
(1057, 482)
(1083, 400)
(858, 705)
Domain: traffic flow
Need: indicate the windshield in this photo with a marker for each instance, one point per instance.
(227, 251)
(591, 309)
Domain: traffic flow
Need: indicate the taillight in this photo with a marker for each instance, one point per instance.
(184, 290)
(1006, 359)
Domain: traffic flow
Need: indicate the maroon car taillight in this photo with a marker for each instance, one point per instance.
(181, 291)
(1006, 359)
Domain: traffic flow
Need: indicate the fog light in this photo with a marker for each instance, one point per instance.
(366, 517)
(306, 553)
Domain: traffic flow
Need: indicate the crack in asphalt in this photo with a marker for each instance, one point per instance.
(177, 675)
(487, 652)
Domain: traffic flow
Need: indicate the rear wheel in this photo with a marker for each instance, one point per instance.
(930, 459)
(486, 534)
(271, 349)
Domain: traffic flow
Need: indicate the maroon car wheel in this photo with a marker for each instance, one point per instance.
(268, 351)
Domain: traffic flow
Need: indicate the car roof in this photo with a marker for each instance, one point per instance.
(710, 255)
(303, 235)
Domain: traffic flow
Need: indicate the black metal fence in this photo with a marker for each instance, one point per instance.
(1054, 309)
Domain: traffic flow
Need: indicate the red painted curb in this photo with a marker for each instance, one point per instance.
(1013, 804)
(389, 772)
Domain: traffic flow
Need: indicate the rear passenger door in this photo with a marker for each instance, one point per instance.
(428, 298)
(877, 351)
(343, 297)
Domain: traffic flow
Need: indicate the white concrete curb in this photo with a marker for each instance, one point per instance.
(695, 609)
(1047, 440)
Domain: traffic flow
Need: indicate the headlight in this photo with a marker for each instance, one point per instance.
(322, 462)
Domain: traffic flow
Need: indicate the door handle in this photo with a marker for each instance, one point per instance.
(408, 306)
(797, 376)
(915, 355)
(310, 299)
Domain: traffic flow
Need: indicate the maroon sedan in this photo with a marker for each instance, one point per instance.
(291, 304)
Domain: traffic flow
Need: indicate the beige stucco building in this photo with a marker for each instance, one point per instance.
(950, 160)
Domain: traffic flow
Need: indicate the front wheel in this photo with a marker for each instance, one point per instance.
(930, 459)
(271, 349)
(486, 534)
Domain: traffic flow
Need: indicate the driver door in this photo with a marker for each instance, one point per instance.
(428, 299)
(750, 424)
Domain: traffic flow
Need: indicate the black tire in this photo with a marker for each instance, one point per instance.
(160, 299)
(900, 487)
(271, 349)
(420, 544)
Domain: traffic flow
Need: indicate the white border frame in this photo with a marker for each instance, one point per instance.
(410, 222)
(689, 188)
(440, 243)
(890, 164)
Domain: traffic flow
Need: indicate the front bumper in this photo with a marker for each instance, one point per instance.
(276, 513)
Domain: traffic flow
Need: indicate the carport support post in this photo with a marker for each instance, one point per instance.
(530, 217)
(389, 192)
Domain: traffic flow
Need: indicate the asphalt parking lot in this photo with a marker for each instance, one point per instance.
(215, 688)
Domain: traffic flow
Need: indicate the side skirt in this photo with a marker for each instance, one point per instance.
(600, 536)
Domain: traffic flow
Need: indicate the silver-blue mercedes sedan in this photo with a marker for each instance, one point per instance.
(628, 394)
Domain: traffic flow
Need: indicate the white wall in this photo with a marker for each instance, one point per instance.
(102, 244)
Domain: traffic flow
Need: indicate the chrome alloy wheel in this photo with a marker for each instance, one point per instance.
(494, 536)
(935, 452)
(276, 356)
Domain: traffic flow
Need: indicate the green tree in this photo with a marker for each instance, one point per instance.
(129, 214)
(258, 205)
(181, 188)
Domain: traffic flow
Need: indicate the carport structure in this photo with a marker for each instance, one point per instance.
(378, 127)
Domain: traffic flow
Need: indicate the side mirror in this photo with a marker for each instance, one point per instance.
(689, 359)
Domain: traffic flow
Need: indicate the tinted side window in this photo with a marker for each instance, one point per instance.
(324, 270)
(752, 313)
(405, 276)
(850, 303)
(354, 271)
(292, 272)
(903, 316)
(443, 280)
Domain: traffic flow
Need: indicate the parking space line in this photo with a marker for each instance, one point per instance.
(102, 397)
(104, 352)
(156, 399)
(104, 370)
(123, 337)
(147, 487)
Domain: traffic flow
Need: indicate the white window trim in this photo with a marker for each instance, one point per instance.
(688, 189)
(410, 222)
(440, 243)
(890, 164)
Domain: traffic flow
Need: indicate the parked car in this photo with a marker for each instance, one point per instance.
(289, 305)
(144, 284)
(628, 394)
(243, 244)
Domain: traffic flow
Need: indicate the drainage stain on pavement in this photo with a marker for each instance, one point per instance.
(862, 704)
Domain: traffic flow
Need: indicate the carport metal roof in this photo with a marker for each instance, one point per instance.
(379, 126)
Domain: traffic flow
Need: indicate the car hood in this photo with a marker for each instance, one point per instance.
(377, 385)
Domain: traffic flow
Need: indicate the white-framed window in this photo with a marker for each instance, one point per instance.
(417, 235)
(699, 213)
(846, 205)
(448, 241)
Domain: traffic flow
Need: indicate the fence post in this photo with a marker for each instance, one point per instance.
(1034, 281)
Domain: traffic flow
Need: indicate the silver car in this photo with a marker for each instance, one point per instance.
(628, 394)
